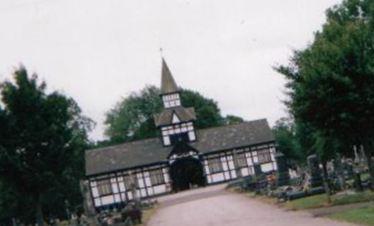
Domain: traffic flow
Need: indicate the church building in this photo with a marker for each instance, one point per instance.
(182, 156)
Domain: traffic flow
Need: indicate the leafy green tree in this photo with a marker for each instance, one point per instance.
(331, 82)
(132, 117)
(42, 141)
(285, 137)
(232, 120)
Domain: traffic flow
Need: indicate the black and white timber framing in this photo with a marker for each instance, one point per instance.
(141, 169)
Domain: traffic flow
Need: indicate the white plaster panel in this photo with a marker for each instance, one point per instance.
(255, 159)
(233, 173)
(106, 200)
(150, 191)
(129, 194)
(244, 171)
(95, 192)
(207, 169)
(143, 192)
(121, 186)
(218, 177)
(231, 165)
(160, 189)
(266, 167)
(117, 198)
(224, 166)
(97, 202)
(166, 177)
(249, 161)
(148, 181)
(114, 187)
(227, 175)
(141, 183)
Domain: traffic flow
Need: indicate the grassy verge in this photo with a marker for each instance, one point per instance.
(147, 214)
(317, 201)
(363, 216)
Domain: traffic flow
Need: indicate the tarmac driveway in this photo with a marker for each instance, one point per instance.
(213, 206)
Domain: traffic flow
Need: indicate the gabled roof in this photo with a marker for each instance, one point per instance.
(168, 84)
(149, 151)
(166, 116)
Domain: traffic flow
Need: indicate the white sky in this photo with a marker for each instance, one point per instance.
(99, 50)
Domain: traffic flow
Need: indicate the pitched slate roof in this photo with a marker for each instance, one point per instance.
(165, 117)
(168, 84)
(148, 151)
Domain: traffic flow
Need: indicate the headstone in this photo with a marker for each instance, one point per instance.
(339, 172)
(283, 176)
(315, 172)
(358, 182)
(349, 170)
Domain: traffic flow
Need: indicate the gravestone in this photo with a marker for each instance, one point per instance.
(283, 176)
(348, 169)
(315, 172)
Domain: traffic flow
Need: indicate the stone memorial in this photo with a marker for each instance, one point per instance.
(283, 176)
(316, 179)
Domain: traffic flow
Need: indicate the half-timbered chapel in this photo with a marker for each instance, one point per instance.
(182, 156)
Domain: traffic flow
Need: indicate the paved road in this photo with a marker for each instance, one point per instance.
(214, 206)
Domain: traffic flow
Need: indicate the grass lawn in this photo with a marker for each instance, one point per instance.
(361, 216)
(317, 201)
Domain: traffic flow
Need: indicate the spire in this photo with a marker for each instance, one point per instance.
(168, 84)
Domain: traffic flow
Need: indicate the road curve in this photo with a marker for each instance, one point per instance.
(212, 206)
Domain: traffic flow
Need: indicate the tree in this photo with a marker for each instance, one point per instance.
(132, 117)
(232, 120)
(284, 134)
(42, 141)
(331, 82)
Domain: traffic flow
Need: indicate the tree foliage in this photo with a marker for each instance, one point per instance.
(331, 82)
(132, 117)
(288, 139)
(42, 140)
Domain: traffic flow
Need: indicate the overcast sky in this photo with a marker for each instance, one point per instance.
(99, 50)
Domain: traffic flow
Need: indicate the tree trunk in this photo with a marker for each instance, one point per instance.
(39, 211)
(367, 150)
(326, 182)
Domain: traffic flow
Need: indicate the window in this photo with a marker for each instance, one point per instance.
(264, 156)
(241, 160)
(104, 187)
(168, 131)
(171, 100)
(157, 177)
(215, 165)
(129, 180)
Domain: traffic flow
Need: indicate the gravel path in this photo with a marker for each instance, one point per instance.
(212, 206)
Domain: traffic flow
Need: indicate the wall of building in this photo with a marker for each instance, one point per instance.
(118, 188)
(114, 188)
(229, 159)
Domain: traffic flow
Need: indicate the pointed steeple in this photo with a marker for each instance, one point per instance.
(168, 84)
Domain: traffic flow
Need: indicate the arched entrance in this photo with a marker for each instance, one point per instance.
(186, 173)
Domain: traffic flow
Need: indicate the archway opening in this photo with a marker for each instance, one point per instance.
(186, 173)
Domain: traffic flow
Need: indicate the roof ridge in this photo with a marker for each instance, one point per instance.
(232, 125)
(156, 138)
